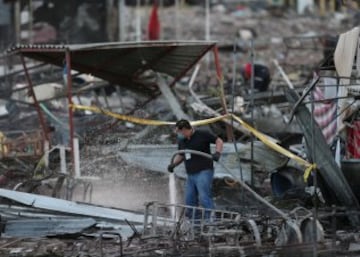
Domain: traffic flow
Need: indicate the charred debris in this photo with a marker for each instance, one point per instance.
(62, 128)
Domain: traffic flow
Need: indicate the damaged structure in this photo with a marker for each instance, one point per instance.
(313, 208)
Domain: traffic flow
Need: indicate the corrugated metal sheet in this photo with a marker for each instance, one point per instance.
(46, 227)
(68, 207)
(13, 216)
(123, 63)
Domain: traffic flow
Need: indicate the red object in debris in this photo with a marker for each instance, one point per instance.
(353, 141)
(3, 180)
(154, 24)
(247, 70)
(240, 7)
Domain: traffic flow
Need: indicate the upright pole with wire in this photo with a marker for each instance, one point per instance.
(207, 28)
(161, 10)
(207, 20)
(70, 109)
(31, 22)
(121, 20)
(232, 111)
(138, 22)
(252, 107)
(313, 156)
(177, 21)
(17, 21)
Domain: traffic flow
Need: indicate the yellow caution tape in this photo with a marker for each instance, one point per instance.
(121, 116)
(3, 147)
(210, 120)
(262, 137)
(308, 172)
(144, 121)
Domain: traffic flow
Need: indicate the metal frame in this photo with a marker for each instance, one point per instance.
(69, 96)
(67, 50)
(36, 103)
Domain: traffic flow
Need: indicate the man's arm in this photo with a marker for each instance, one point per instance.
(178, 159)
(175, 162)
(218, 149)
(219, 144)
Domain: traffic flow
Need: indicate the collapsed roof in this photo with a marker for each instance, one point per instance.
(123, 63)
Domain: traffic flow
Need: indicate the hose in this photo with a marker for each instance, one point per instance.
(242, 184)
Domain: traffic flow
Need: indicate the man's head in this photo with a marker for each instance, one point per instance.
(183, 127)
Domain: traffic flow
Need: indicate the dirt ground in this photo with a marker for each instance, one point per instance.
(126, 187)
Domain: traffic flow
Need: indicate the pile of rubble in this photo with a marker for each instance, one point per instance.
(271, 35)
(107, 179)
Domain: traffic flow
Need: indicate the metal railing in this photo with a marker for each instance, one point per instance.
(182, 222)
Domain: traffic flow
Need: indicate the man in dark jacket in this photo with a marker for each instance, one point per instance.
(199, 169)
(261, 76)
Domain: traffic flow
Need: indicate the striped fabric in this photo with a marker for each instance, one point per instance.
(353, 141)
(325, 115)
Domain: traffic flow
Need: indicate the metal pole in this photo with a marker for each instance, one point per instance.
(76, 158)
(283, 74)
(332, 6)
(161, 10)
(252, 107)
(118, 92)
(177, 28)
(322, 5)
(36, 103)
(17, 21)
(233, 112)
(69, 95)
(313, 156)
(222, 95)
(207, 20)
(138, 21)
(46, 150)
(108, 8)
(292, 4)
(30, 22)
(62, 160)
(170, 98)
(207, 28)
(121, 20)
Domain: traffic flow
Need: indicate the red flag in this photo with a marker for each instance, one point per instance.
(154, 24)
